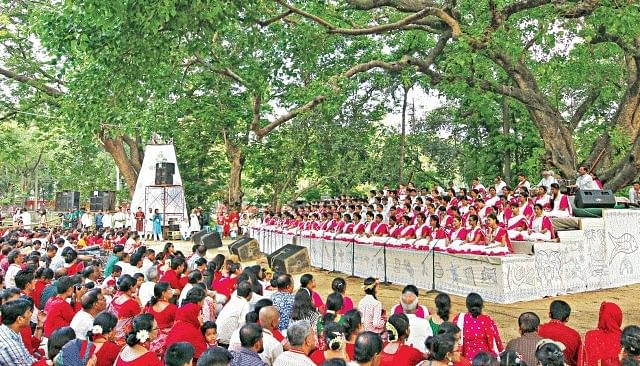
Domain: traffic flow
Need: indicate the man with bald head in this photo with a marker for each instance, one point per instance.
(92, 302)
(269, 318)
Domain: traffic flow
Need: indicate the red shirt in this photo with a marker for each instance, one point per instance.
(171, 276)
(59, 314)
(38, 287)
(558, 331)
(226, 286)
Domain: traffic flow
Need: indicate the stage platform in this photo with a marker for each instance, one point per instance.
(602, 254)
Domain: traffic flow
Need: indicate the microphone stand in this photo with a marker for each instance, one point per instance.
(353, 257)
(384, 256)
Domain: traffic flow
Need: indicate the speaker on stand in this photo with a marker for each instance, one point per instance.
(290, 259)
(67, 200)
(164, 173)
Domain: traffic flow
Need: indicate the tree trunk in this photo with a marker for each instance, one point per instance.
(236, 159)
(506, 131)
(403, 134)
(115, 146)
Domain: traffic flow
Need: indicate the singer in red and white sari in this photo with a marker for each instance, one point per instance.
(498, 242)
(458, 235)
(541, 227)
(475, 240)
(517, 225)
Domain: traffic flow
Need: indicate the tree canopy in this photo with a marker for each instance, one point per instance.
(285, 98)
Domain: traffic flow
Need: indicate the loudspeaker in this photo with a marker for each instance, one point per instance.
(102, 200)
(67, 200)
(212, 240)
(595, 199)
(196, 238)
(164, 173)
(290, 259)
(247, 249)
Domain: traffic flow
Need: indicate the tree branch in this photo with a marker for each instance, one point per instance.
(583, 108)
(37, 84)
(266, 23)
(257, 101)
(409, 6)
(448, 19)
(224, 71)
(262, 132)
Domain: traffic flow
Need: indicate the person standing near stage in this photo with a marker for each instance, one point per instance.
(119, 219)
(148, 228)
(157, 225)
(139, 217)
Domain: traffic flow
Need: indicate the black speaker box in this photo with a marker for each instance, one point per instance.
(102, 200)
(196, 238)
(595, 199)
(164, 173)
(290, 259)
(247, 249)
(67, 200)
(212, 240)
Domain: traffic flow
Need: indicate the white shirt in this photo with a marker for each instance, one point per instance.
(547, 183)
(290, 358)
(183, 294)
(145, 292)
(585, 182)
(419, 330)
(107, 220)
(81, 323)
(272, 348)
(231, 318)
(634, 197)
(10, 276)
(500, 185)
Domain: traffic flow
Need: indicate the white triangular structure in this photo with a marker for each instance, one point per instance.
(168, 199)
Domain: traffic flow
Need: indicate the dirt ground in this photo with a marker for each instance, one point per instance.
(584, 314)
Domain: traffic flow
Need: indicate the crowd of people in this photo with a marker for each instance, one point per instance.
(479, 221)
(139, 307)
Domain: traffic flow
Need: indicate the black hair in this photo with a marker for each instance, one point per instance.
(283, 281)
(207, 325)
(179, 354)
(116, 269)
(118, 248)
(244, 289)
(559, 310)
(511, 358)
(194, 277)
(484, 359)
(23, 278)
(474, 304)
(135, 259)
(401, 323)
(140, 322)
(351, 321)
(216, 356)
(250, 334)
(10, 292)
(194, 296)
(126, 283)
(339, 285)
(411, 288)
(334, 303)
(106, 320)
(368, 344)
(443, 306)
(90, 298)
(333, 331)
(369, 281)
(549, 354)
(218, 262)
(158, 289)
(44, 273)
(449, 328)
(335, 362)
(440, 345)
(63, 284)
(528, 322)
(11, 310)
(302, 305)
(630, 340)
(58, 339)
(176, 262)
(262, 303)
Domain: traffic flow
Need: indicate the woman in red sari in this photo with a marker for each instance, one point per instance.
(602, 345)
(396, 353)
(102, 334)
(163, 312)
(135, 353)
(187, 329)
(125, 306)
(479, 332)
